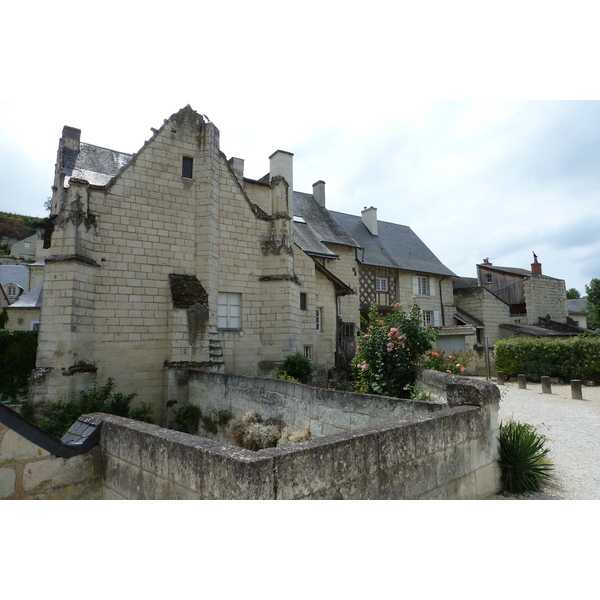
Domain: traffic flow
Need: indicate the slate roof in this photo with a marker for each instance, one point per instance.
(513, 271)
(542, 330)
(32, 299)
(459, 283)
(94, 164)
(319, 228)
(17, 274)
(578, 305)
(395, 246)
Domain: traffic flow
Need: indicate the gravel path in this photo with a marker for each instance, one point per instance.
(573, 430)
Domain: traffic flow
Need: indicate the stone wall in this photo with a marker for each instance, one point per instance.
(28, 472)
(545, 296)
(447, 449)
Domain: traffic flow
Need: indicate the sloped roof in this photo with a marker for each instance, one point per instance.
(318, 229)
(32, 299)
(578, 305)
(94, 164)
(17, 274)
(464, 282)
(395, 246)
(558, 330)
(513, 271)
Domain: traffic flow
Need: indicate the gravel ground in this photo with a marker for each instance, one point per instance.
(573, 430)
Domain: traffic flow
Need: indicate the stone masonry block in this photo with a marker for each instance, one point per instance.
(7, 483)
(57, 472)
(15, 447)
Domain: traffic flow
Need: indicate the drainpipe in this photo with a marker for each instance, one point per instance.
(442, 300)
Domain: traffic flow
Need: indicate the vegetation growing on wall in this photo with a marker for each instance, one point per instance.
(391, 350)
(17, 360)
(523, 458)
(61, 414)
(254, 433)
(573, 358)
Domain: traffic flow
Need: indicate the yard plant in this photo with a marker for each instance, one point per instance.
(391, 350)
(523, 458)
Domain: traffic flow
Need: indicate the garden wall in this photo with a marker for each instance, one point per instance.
(438, 452)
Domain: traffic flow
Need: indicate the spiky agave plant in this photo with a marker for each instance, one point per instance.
(523, 458)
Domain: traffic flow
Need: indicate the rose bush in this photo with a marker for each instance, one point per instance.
(390, 351)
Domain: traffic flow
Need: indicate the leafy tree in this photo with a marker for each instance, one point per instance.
(573, 294)
(593, 302)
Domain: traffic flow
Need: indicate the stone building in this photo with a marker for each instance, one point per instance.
(512, 302)
(171, 259)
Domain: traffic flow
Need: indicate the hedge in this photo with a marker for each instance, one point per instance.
(572, 358)
(17, 360)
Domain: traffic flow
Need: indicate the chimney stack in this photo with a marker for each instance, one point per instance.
(282, 165)
(70, 137)
(319, 193)
(369, 219)
(536, 267)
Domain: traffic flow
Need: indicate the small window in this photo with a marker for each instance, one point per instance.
(427, 316)
(11, 291)
(381, 284)
(319, 322)
(299, 219)
(302, 301)
(35, 325)
(308, 353)
(187, 167)
(488, 278)
(228, 311)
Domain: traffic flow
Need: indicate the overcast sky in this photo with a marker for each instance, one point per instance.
(349, 92)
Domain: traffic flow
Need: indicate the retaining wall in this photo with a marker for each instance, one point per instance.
(435, 451)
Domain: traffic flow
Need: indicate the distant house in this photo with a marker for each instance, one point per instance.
(30, 247)
(24, 313)
(512, 302)
(578, 312)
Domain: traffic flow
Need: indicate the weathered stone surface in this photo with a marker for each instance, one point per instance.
(15, 447)
(7, 482)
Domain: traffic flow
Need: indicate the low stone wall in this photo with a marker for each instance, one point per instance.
(325, 411)
(29, 472)
(447, 450)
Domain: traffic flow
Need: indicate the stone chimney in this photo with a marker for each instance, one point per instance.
(369, 219)
(70, 137)
(486, 261)
(536, 267)
(319, 193)
(282, 165)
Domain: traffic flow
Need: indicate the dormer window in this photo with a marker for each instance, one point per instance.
(11, 291)
(299, 219)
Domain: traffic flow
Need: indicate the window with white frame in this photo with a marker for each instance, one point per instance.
(420, 287)
(319, 319)
(488, 278)
(11, 291)
(427, 316)
(381, 284)
(228, 311)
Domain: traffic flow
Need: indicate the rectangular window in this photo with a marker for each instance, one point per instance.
(302, 301)
(319, 322)
(187, 167)
(35, 325)
(421, 286)
(427, 316)
(228, 311)
(308, 352)
(488, 278)
(381, 284)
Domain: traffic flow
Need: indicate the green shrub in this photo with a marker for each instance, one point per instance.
(574, 358)
(188, 418)
(17, 360)
(280, 374)
(523, 458)
(61, 414)
(390, 351)
(298, 367)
